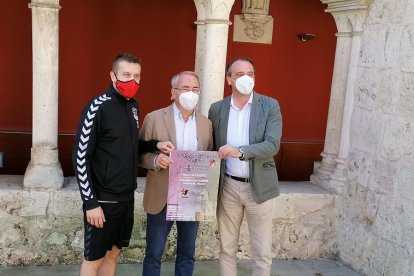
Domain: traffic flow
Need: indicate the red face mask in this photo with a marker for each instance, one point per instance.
(128, 89)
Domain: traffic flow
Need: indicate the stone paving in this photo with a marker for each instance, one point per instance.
(320, 267)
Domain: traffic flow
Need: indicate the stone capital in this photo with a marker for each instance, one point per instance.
(343, 5)
(212, 21)
(342, 22)
(350, 15)
(256, 7)
(47, 4)
(213, 10)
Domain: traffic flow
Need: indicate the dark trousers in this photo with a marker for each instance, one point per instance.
(157, 231)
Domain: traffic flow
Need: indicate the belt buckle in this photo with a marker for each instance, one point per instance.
(240, 179)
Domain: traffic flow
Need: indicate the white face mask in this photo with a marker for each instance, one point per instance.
(188, 100)
(244, 84)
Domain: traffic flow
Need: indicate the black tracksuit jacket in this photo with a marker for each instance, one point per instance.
(105, 153)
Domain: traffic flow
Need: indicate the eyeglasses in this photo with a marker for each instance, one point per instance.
(188, 89)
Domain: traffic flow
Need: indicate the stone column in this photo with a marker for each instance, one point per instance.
(212, 35)
(350, 18)
(200, 43)
(44, 170)
(336, 103)
(338, 179)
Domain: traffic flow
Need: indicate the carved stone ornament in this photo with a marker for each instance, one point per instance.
(254, 24)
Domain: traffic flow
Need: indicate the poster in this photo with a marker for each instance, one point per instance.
(193, 185)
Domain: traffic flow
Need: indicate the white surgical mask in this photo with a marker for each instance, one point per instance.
(244, 84)
(188, 100)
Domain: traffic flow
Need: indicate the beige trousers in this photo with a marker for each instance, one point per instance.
(236, 199)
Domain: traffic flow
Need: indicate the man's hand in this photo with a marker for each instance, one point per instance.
(163, 161)
(165, 147)
(228, 151)
(96, 217)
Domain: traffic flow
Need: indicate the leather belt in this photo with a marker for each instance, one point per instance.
(241, 179)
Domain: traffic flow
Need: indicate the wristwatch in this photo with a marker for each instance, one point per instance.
(241, 150)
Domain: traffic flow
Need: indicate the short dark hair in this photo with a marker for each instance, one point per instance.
(124, 57)
(228, 67)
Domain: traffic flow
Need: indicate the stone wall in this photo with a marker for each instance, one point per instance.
(41, 227)
(376, 226)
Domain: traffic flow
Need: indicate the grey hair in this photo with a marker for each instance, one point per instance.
(175, 78)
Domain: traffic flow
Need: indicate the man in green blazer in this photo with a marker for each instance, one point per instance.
(247, 128)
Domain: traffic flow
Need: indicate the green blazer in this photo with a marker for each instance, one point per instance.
(265, 131)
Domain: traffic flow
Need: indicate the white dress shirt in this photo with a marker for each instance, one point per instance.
(238, 135)
(185, 132)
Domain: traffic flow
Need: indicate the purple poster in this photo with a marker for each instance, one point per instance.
(193, 185)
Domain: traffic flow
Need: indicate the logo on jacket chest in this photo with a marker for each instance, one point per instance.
(135, 113)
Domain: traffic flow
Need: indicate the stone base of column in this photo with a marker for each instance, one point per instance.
(336, 186)
(323, 174)
(44, 170)
(337, 181)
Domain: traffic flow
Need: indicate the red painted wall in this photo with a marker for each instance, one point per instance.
(298, 74)
(163, 34)
(16, 66)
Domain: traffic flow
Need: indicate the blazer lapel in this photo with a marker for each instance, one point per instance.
(168, 116)
(254, 116)
(225, 111)
(199, 129)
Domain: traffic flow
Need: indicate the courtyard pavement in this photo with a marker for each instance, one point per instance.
(320, 267)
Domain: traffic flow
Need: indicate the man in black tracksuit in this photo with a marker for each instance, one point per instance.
(105, 160)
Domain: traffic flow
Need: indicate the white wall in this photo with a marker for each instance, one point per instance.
(376, 229)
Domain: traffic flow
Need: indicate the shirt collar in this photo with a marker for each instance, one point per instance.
(177, 113)
(250, 101)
